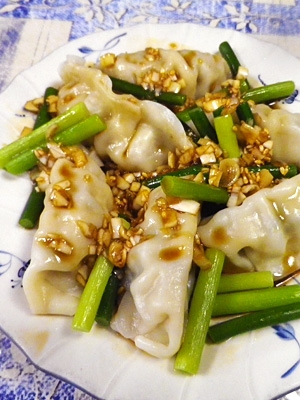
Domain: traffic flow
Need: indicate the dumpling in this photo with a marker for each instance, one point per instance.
(261, 234)
(196, 72)
(61, 242)
(152, 311)
(139, 134)
(284, 129)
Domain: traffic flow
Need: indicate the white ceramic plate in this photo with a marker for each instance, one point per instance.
(260, 365)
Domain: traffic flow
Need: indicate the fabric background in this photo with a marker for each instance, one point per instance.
(31, 29)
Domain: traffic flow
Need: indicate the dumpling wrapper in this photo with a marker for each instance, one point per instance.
(201, 72)
(139, 134)
(50, 282)
(284, 129)
(261, 234)
(152, 311)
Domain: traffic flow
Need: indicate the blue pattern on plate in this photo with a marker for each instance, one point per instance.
(86, 50)
(287, 332)
(7, 260)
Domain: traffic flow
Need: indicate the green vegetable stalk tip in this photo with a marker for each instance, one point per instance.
(260, 319)
(270, 93)
(84, 317)
(202, 124)
(227, 137)
(230, 57)
(255, 300)
(73, 135)
(32, 210)
(183, 188)
(39, 135)
(245, 114)
(109, 301)
(152, 183)
(245, 281)
(189, 355)
(233, 63)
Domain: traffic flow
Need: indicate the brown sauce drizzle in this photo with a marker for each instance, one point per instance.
(171, 253)
(220, 236)
(66, 172)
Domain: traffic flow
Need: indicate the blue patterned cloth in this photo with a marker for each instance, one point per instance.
(31, 29)
(50, 23)
(264, 17)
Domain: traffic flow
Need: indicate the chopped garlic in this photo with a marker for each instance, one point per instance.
(189, 206)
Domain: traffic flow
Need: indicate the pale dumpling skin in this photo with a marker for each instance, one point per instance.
(152, 311)
(201, 72)
(50, 282)
(284, 129)
(261, 234)
(139, 134)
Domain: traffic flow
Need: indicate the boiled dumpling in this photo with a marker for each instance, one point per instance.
(139, 134)
(196, 72)
(261, 234)
(153, 308)
(60, 242)
(284, 129)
